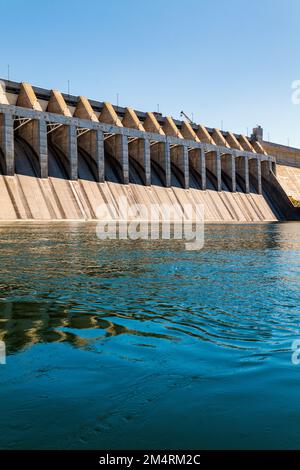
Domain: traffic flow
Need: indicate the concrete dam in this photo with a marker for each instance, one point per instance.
(62, 156)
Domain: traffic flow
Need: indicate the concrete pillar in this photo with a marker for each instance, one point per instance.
(219, 170)
(165, 151)
(100, 155)
(259, 182)
(121, 154)
(93, 143)
(185, 164)
(35, 133)
(145, 149)
(7, 142)
(242, 169)
(72, 152)
(180, 157)
(213, 163)
(43, 148)
(203, 168)
(228, 167)
(246, 175)
(255, 173)
(66, 138)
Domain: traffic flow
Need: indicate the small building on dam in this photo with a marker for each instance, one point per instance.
(63, 156)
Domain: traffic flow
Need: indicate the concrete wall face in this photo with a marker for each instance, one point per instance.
(228, 167)
(284, 155)
(242, 170)
(287, 168)
(144, 150)
(42, 148)
(180, 157)
(93, 144)
(139, 149)
(289, 178)
(35, 133)
(213, 164)
(65, 138)
(160, 153)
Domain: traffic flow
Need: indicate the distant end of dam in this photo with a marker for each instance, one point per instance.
(63, 156)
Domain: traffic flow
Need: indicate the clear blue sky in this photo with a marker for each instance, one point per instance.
(231, 61)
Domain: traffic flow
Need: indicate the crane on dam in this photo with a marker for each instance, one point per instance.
(182, 113)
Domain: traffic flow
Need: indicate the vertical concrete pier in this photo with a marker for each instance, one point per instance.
(145, 152)
(7, 142)
(184, 157)
(99, 154)
(203, 168)
(71, 151)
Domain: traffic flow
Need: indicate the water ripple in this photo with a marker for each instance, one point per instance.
(58, 284)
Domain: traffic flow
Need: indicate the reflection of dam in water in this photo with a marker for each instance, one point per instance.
(24, 324)
(62, 157)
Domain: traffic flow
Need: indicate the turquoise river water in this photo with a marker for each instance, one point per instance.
(139, 344)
